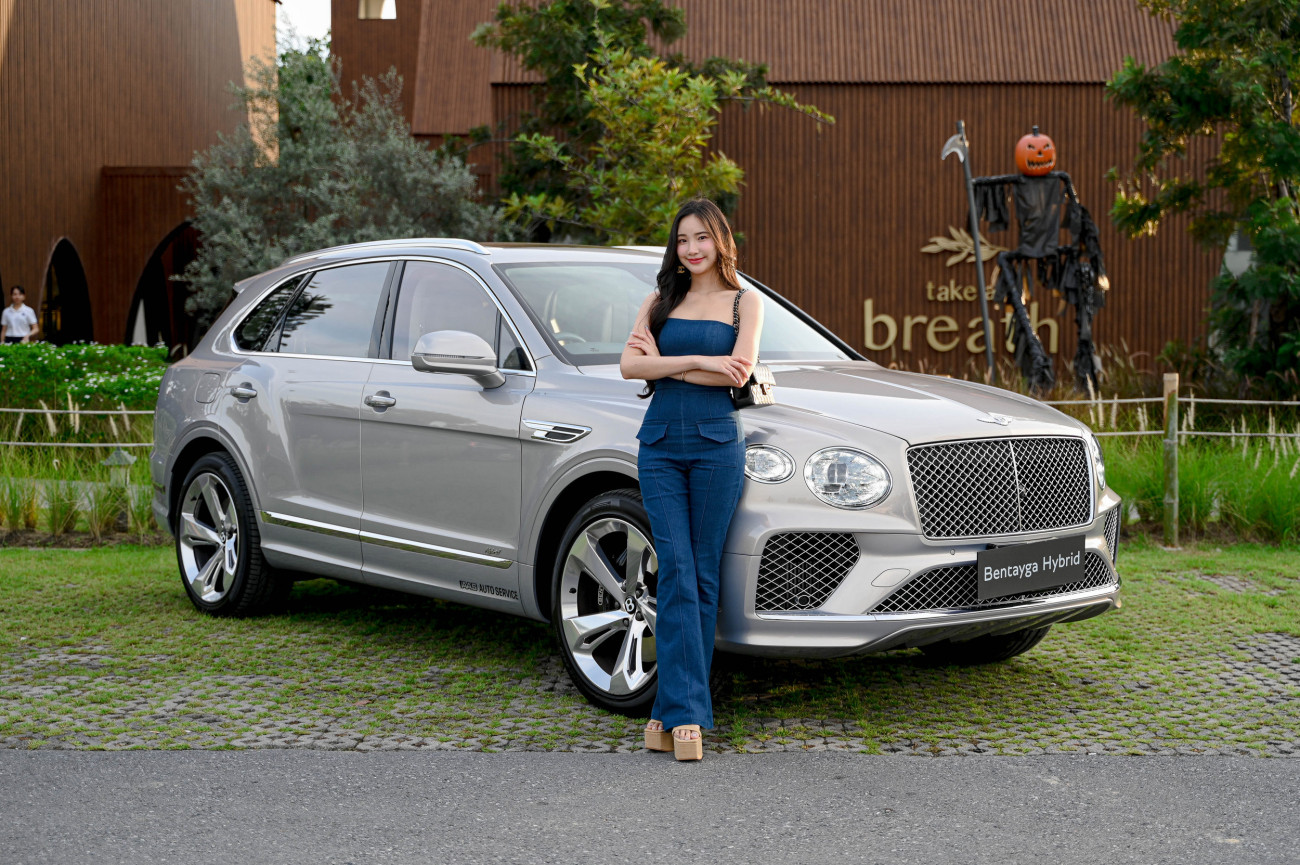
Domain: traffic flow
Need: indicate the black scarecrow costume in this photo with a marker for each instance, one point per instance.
(1075, 269)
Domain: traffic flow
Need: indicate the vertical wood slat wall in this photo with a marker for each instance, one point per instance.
(86, 84)
(371, 47)
(836, 217)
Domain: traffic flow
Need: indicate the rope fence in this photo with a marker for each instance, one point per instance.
(1172, 434)
(1116, 401)
(114, 411)
(77, 444)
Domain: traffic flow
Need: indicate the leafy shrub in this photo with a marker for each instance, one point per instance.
(91, 375)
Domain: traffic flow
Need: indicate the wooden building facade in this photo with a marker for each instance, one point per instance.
(838, 219)
(102, 106)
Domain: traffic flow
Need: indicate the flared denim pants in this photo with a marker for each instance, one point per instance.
(691, 463)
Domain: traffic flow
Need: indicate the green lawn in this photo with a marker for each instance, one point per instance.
(101, 649)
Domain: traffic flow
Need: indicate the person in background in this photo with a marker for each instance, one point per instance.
(18, 322)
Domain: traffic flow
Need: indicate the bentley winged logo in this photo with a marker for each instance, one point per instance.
(999, 419)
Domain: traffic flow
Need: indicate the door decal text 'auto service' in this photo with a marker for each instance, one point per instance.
(484, 588)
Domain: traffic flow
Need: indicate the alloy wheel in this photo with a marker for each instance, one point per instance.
(208, 537)
(607, 605)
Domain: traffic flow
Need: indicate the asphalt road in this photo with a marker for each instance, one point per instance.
(307, 807)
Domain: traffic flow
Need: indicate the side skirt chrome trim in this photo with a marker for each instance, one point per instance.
(310, 525)
(384, 540)
(435, 550)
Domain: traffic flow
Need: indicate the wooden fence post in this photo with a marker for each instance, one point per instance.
(1171, 459)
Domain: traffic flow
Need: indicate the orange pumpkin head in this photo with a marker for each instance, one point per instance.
(1035, 154)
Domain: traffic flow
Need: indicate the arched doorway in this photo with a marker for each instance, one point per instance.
(157, 314)
(65, 302)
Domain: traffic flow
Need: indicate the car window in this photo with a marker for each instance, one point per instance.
(257, 326)
(587, 311)
(334, 314)
(441, 297)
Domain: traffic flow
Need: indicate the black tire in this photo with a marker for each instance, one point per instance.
(625, 505)
(251, 587)
(985, 650)
(619, 505)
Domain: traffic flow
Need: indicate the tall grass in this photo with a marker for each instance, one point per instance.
(18, 503)
(105, 505)
(54, 488)
(1251, 488)
(139, 510)
(62, 500)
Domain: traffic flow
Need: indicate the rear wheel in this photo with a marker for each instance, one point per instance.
(986, 650)
(218, 547)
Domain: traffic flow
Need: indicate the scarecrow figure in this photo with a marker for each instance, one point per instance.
(1076, 270)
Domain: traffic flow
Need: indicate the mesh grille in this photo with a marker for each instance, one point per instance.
(955, 588)
(1112, 534)
(1000, 486)
(799, 570)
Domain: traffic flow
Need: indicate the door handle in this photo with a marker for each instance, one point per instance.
(380, 400)
(243, 391)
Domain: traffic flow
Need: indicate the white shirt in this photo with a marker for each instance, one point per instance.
(18, 322)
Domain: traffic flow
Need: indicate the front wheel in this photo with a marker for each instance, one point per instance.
(986, 650)
(218, 547)
(603, 603)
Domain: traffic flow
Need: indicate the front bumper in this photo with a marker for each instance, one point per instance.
(846, 623)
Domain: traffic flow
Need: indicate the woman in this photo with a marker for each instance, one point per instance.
(692, 453)
(18, 322)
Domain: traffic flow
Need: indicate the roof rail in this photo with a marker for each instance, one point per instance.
(438, 242)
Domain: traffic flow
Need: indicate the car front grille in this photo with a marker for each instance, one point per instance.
(955, 588)
(1000, 486)
(800, 570)
(1112, 534)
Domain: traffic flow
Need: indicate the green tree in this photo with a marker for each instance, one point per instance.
(605, 85)
(1232, 82)
(313, 169)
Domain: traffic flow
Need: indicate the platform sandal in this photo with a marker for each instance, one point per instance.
(658, 739)
(685, 747)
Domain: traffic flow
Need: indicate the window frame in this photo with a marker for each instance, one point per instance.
(274, 329)
(380, 306)
(390, 327)
(388, 314)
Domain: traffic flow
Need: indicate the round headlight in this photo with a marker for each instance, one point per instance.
(1098, 463)
(846, 478)
(767, 464)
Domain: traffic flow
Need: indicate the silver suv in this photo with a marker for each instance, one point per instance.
(448, 419)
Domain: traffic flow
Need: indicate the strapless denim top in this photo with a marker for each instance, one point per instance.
(675, 400)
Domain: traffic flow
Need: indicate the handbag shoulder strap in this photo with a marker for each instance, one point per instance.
(735, 311)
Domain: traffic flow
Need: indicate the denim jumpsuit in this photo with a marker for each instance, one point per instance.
(691, 464)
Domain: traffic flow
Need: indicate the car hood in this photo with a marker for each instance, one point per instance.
(914, 407)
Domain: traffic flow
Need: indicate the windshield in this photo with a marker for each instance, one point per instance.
(587, 311)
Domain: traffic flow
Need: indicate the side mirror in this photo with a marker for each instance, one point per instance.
(458, 352)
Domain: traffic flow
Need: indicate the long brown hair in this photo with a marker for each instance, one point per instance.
(674, 281)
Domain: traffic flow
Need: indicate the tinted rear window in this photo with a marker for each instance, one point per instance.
(252, 334)
(334, 314)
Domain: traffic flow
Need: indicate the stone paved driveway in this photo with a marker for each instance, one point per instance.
(1244, 701)
(101, 650)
